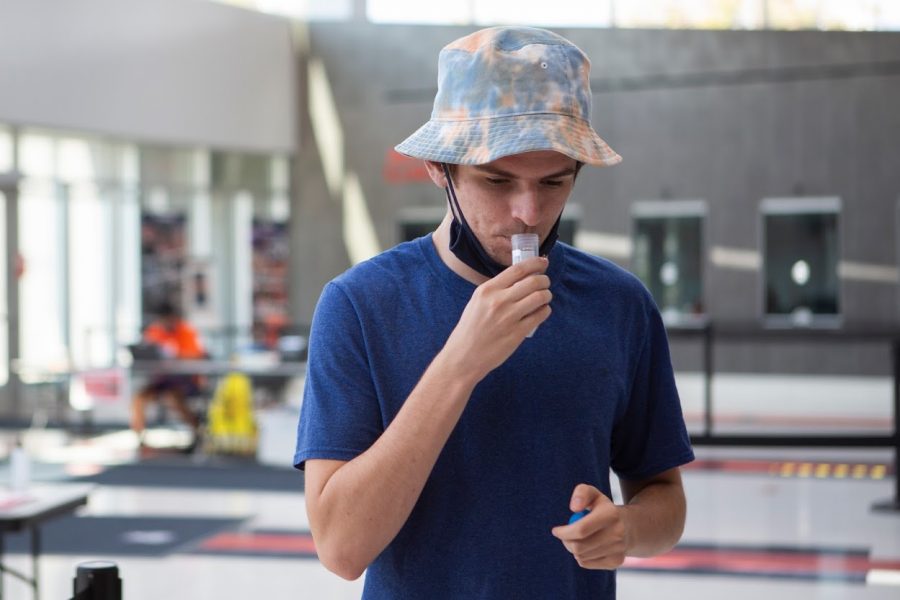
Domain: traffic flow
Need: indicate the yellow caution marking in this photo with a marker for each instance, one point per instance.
(827, 470)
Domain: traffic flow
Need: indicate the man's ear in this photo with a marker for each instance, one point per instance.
(436, 172)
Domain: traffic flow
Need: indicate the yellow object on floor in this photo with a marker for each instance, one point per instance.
(231, 427)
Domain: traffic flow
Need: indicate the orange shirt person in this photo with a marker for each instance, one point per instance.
(177, 339)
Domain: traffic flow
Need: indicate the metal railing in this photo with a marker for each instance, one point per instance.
(710, 334)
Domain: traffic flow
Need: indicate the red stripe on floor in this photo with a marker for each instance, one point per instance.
(681, 559)
(761, 561)
(261, 542)
(848, 422)
(741, 466)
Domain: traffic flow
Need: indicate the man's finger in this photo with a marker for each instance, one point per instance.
(584, 496)
(511, 275)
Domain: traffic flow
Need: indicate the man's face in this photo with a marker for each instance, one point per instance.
(523, 193)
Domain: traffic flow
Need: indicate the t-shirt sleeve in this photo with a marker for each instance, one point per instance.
(650, 436)
(340, 416)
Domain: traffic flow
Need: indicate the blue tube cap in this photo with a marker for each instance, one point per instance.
(578, 516)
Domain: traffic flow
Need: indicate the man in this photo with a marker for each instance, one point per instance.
(176, 339)
(443, 448)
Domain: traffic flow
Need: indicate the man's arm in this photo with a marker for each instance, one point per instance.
(655, 510)
(649, 523)
(356, 508)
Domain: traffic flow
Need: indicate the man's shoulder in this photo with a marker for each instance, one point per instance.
(394, 266)
(592, 270)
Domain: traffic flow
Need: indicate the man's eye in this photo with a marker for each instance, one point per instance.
(553, 183)
(496, 180)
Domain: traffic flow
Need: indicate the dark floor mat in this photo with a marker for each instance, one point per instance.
(121, 536)
(206, 475)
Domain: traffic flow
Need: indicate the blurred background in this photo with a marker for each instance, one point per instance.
(232, 157)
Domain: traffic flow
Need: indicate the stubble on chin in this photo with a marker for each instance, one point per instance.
(501, 252)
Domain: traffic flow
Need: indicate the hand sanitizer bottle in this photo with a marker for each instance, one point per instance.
(19, 468)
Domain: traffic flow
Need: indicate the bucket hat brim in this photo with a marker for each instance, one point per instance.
(482, 140)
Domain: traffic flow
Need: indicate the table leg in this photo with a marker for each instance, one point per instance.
(2, 571)
(35, 553)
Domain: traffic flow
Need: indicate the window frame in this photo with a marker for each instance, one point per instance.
(677, 208)
(799, 205)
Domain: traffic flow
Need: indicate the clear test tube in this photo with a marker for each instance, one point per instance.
(525, 245)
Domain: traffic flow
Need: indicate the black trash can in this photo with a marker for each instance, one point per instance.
(97, 580)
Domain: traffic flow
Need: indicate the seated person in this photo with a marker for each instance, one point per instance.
(175, 338)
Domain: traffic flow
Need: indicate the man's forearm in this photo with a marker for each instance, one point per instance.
(654, 518)
(364, 504)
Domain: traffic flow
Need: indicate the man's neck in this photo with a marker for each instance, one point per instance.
(441, 240)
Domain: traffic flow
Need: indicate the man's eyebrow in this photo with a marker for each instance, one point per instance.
(495, 171)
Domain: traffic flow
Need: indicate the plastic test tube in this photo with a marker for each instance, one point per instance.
(525, 245)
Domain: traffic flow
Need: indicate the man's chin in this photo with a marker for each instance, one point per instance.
(503, 257)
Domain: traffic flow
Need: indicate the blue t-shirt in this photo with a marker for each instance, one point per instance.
(592, 390)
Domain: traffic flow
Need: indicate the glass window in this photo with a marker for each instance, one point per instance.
(4, 317)
(90, 252)
(79, 239)
(280, 173)
(800, 255)
(6, 149)
(42, 288)
(416, 11)
(270, 262)
(668, 255)
(241, 171)
(125, 201)
(37, 155)
(573, 13)
(699, 14)
(241, 268)
(308, 10)
(887, 15)
(694, 14)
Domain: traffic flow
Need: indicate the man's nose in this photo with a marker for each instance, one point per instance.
(526, 207)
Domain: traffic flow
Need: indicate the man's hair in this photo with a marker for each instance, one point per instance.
(578, 165)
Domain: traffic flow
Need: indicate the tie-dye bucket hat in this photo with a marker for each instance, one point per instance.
(509, 90)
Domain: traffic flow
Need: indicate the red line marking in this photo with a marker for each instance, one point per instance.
(886, 423)
(751, 561)
(679, 559)
(745, 466)
(256, 542)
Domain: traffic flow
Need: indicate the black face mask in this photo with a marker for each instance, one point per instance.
(464, 243)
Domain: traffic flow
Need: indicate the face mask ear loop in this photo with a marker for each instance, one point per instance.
(547, 246)
(451, 197)
(491, 267)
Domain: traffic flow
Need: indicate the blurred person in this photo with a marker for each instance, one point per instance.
(443, 447)
(176, 339)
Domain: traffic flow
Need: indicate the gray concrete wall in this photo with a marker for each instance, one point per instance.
(166, 71)
(730, 117)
